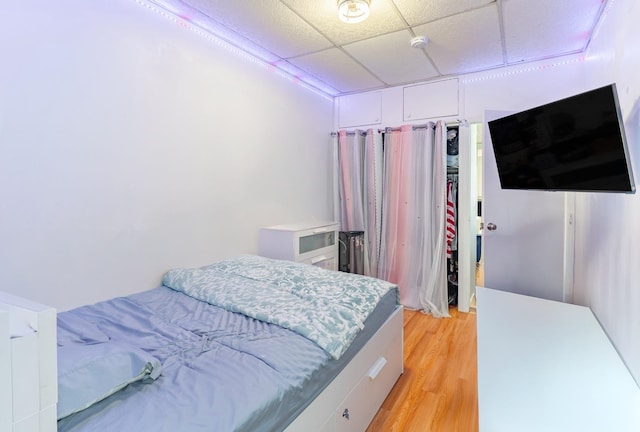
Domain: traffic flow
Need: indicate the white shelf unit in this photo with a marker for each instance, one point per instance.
(313, 243)
(28, 366)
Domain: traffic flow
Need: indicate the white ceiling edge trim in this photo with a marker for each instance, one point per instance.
(504, 71)
(304, 82)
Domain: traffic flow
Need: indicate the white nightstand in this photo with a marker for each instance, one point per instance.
(313, 243)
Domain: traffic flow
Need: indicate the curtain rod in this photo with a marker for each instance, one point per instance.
(457, 122)
(353, 132)
(414, 127)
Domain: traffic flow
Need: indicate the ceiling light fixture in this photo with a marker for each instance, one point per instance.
(353, 11)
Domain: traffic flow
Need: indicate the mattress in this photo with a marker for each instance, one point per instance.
(221, 371)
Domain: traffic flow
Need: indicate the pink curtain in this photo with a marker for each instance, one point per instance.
(397, 196)
(413, 247)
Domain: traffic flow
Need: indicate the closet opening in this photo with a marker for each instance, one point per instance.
(453, 167)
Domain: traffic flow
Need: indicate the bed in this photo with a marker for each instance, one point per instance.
(198, 354)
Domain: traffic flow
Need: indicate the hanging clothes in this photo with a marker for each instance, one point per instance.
(451, 218)
(452, 214)
(452, 238)
(453, 147)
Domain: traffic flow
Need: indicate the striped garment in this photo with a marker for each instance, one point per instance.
(451, 218)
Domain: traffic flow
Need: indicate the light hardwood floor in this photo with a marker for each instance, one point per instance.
(438, 390)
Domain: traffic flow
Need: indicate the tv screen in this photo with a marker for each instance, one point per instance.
(573, 144)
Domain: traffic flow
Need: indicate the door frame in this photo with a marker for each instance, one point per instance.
(466, 220)
(569, 245)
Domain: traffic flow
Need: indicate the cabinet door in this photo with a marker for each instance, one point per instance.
(445, 92)
(360, 109)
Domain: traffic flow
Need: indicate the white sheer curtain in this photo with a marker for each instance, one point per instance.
(401, 211)
(357, 189)
(413, 248)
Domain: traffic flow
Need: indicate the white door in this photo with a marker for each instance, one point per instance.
(524, 234)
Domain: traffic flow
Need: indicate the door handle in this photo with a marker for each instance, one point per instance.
(491, 226)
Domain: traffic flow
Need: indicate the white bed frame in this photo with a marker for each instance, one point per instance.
(353, 398)
(28, 366)
(28, 361)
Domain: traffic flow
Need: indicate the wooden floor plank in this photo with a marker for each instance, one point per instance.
(438, 390)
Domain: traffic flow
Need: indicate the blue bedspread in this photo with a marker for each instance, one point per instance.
(327, 307)
(221, 371)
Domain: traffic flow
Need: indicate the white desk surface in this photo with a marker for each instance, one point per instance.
(547, 366)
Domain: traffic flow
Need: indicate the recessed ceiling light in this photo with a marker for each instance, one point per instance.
(353, 11)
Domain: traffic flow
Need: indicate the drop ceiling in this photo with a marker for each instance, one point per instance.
(306, 39)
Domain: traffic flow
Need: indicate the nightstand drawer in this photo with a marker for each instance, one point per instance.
(325, 261)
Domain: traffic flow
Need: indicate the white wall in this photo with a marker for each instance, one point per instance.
(130, 145)
(607, 271)
(522, 87)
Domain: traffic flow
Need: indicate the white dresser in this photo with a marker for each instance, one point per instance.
(313, 243)
(549, 366)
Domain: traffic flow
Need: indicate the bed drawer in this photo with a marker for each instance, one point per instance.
(354, 389)
(358, 409)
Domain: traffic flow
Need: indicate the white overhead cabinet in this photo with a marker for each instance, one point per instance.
(432, 100)
(360, 110)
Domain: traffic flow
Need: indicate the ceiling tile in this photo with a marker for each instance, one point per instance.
(323, 15)
(269, 23)
(392, 59)
(421, 12)
(338, 70)
(533, 33)
(465, 42)
(305, 38)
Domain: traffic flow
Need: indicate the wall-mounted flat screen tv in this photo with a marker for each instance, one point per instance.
(573, 144)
